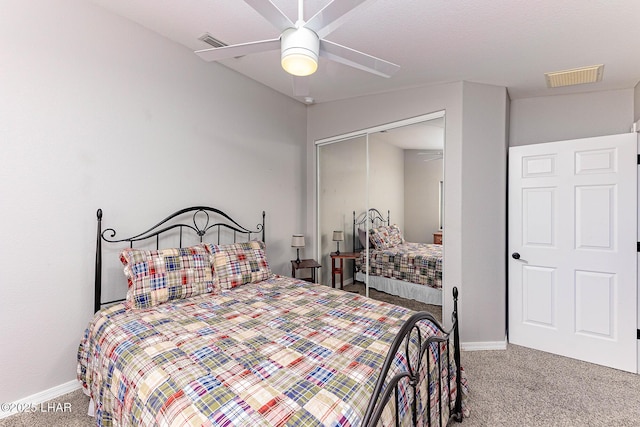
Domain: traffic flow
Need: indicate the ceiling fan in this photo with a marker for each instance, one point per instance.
(431, 155)
(302, 42)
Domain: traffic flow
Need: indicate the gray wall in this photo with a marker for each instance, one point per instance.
(560, 117)
(421, 197)
(484, 189)
(485, 108)
(97, 112)
(386, 180)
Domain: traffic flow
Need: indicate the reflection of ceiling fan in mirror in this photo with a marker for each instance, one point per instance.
(301, 43)
(429, 156)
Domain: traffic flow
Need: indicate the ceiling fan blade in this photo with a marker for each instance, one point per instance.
(431, 159)
(271, 13)
(300, 86)
(235, 50)
(335, 14)
(355, 59)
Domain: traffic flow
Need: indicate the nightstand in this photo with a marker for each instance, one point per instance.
(340, 270)
(311, 264)
(437, 238)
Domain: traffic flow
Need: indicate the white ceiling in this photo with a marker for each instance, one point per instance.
(509, 43)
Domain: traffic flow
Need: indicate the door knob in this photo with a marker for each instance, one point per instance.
(515, 255)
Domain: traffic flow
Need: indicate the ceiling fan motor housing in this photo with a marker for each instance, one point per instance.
(299, 51)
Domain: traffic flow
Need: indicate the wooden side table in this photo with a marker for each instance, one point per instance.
(340, 270)
(437, 238)
(311, 264)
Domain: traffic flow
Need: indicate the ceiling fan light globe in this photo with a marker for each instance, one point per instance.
(299, 64)
(299, 51)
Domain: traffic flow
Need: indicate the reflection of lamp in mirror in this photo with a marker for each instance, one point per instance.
(338, 236)
(297, 241)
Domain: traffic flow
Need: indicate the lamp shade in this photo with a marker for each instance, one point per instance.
(338, 236)
(297, 241)
(299, 51)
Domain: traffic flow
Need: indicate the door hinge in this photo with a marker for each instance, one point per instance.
(639, 159)
(639, 334)
(638, 246)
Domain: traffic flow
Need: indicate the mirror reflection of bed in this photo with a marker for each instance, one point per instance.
(396, 266)
(397, 170)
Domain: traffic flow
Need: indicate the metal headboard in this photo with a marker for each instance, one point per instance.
(199, 225)
(369, 219)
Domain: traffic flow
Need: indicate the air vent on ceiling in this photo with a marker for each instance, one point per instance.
(575, 76)
(212, 41)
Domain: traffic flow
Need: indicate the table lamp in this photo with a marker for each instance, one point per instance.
(297, 241)
(338, 236)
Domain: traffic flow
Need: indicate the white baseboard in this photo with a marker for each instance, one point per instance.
(485, 345)
(38, 398)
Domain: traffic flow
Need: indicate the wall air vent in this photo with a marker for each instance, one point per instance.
(212, 41)
(575, 76)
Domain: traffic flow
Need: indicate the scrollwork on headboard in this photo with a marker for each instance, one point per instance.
(200, 226)
(370, 219)
(199, 230)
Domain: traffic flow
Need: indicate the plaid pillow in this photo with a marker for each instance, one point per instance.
(239, 263)
(385, 237)
(159, 276)
(395, 235)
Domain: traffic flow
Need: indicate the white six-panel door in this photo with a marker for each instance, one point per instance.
(572, 246)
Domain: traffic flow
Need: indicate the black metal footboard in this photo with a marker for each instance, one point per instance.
(408, 334)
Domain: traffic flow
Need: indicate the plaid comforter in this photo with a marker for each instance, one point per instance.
(419, 263)
(274, 353)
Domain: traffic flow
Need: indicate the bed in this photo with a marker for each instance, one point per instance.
(207, 335)
(407, 269)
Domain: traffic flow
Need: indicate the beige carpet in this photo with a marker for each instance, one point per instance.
(515, 387)
(524, 387)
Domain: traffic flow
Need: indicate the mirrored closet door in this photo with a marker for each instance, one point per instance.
(396, 169)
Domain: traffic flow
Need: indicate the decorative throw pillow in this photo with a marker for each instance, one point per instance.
(239, 263)
(395, 235)
(385, 236)
(157, 276)
(379, 237)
